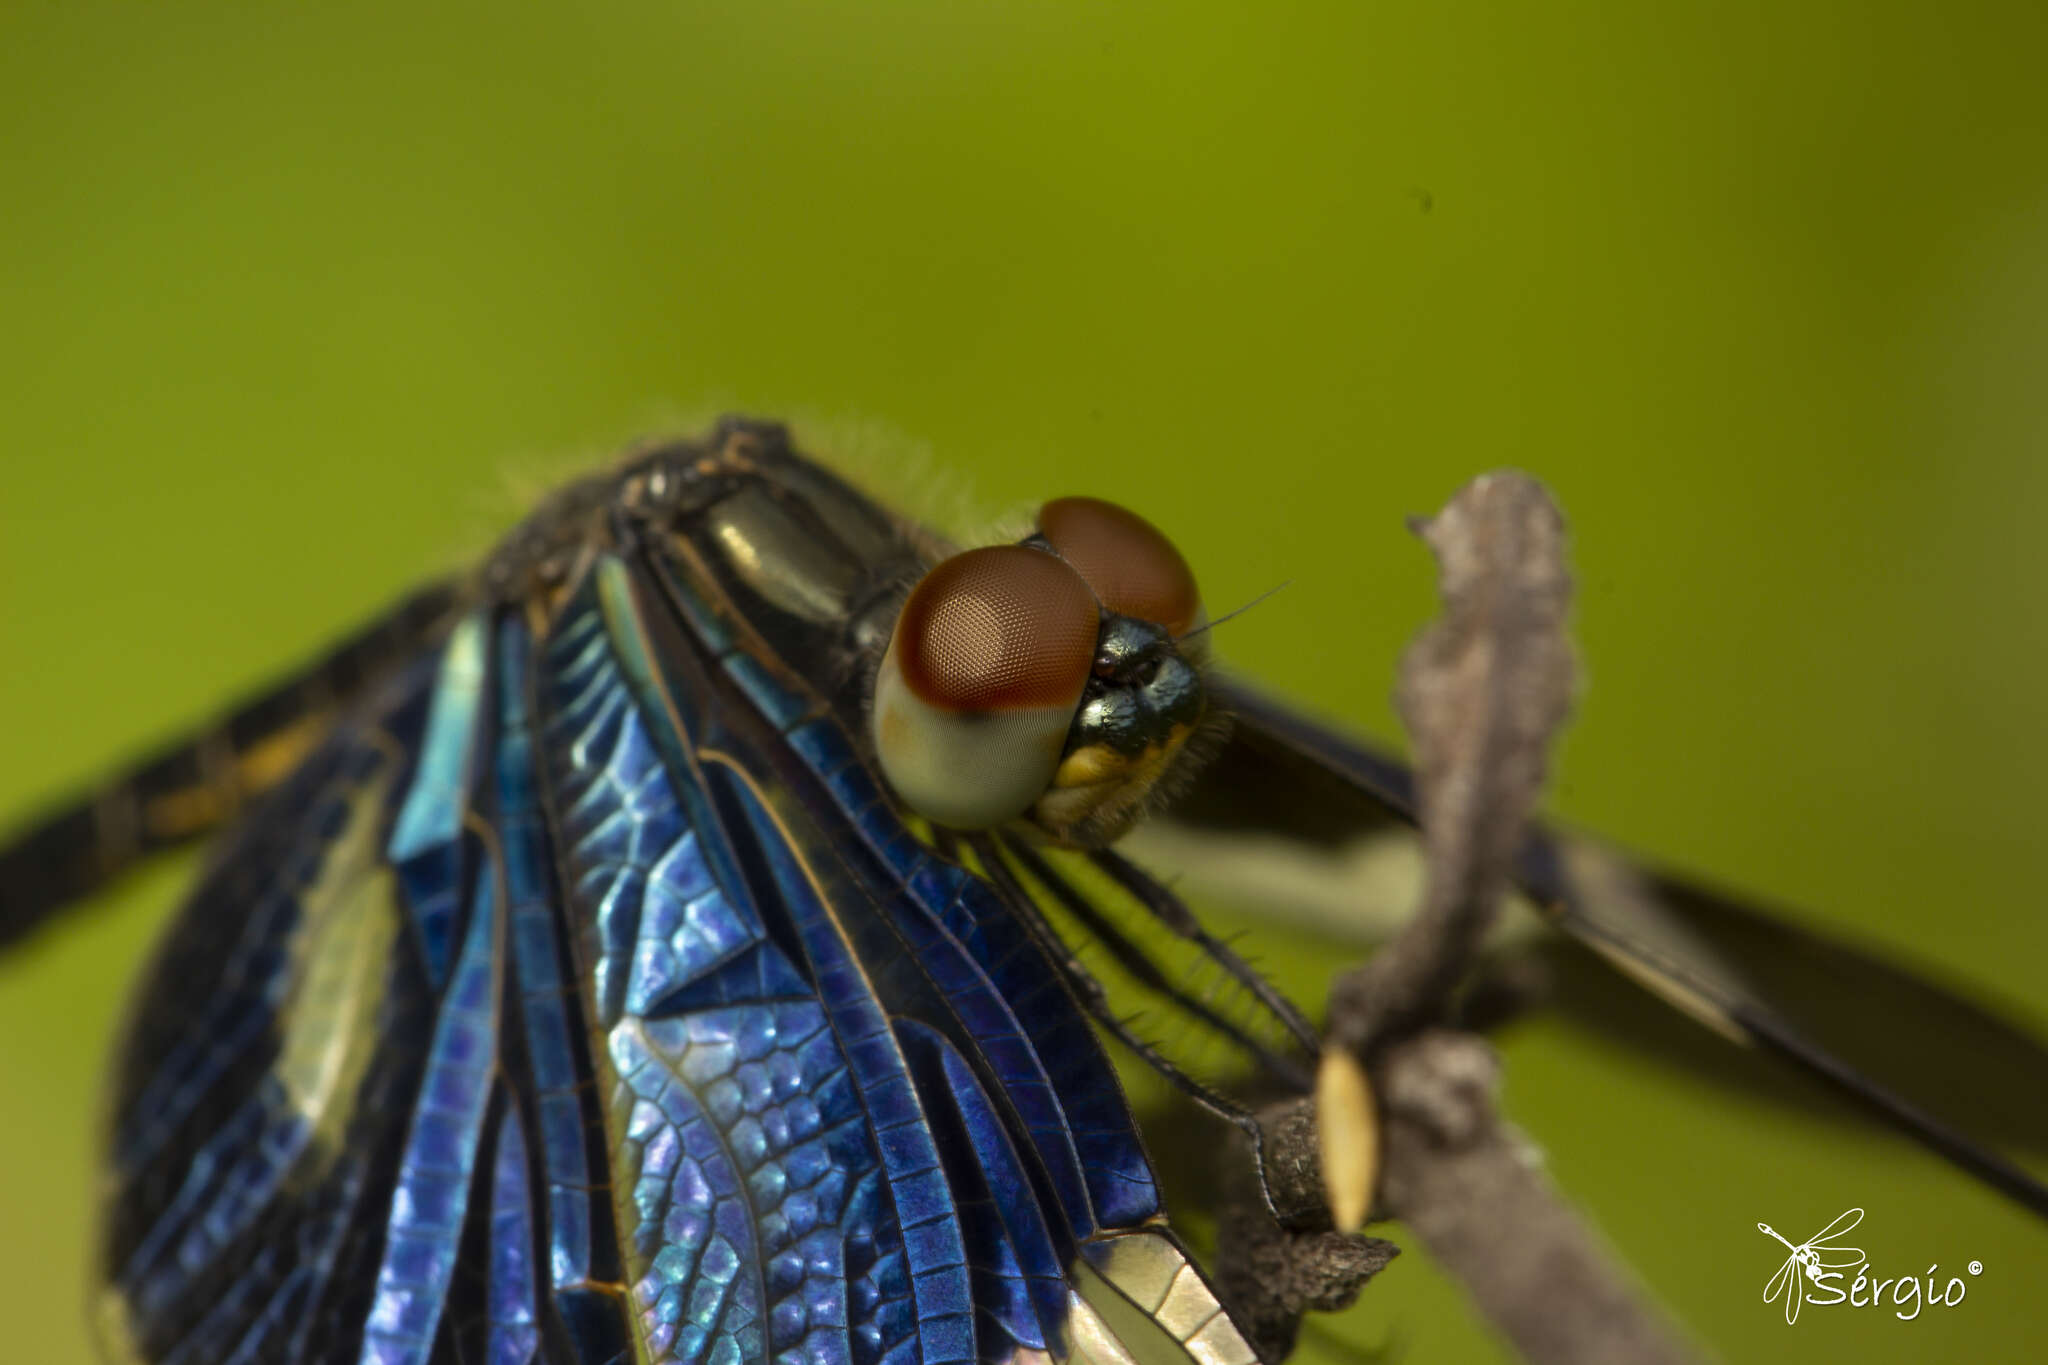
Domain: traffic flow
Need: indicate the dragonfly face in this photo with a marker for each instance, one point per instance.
(657, 947)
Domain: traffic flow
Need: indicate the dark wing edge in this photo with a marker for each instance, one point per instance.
(1744, 973)
(201, 781)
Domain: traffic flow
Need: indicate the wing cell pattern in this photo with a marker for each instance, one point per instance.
(584, 999)
(252, 1141)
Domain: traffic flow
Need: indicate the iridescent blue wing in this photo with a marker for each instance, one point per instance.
(582, 999)
(337, 1103)
(976, 1189)
(253, 1148)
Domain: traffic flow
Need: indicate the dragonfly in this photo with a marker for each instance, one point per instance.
(685, 937)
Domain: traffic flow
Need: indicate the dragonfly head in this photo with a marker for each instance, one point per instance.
(1052, 680)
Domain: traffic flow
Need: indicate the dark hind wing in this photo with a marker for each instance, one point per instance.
(1832, 1010)
(1956, 1056)
(1281, 773)
(201, 783)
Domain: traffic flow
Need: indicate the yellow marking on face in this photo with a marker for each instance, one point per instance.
(1115, 794)
(1098, 763)
(1085, 767)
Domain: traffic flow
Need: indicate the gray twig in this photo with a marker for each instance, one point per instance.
(1482, 693)
(1470, 1188)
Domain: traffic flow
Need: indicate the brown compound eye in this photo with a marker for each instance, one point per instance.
(981, 681)
(998, 629)
(1134, 570)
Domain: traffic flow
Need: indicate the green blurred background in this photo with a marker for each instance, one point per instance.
(1760, 290)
